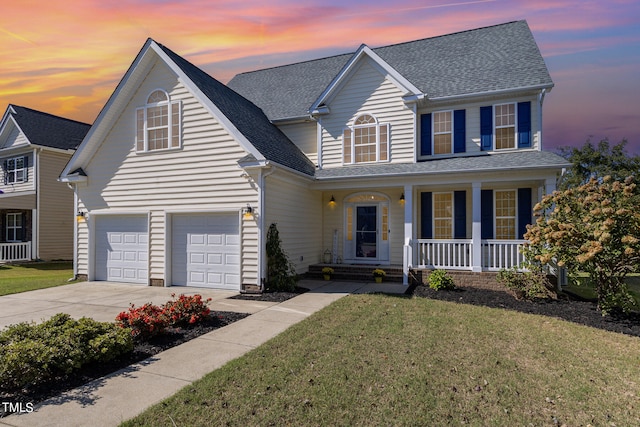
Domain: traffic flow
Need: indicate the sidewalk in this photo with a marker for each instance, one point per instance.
(113, 399)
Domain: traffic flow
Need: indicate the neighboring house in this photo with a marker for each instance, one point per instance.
(36, 211)
(421, 154)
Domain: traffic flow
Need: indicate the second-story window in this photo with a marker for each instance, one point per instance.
(158, 123)
(505, 120)
(15, 170)
(366, 141)
(442, 132)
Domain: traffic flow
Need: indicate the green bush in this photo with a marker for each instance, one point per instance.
(34, 354)
(529, 285)
(440, 280)
(281, 272)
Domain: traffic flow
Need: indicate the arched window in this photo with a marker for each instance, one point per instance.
(158, 123)
(366, 141)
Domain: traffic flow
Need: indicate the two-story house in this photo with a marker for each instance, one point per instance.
(36, 211)
(421, 154)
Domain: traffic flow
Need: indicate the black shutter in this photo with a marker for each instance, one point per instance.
(26, 168)
(459, 131)
(524, 124)
(425, 134)
(486, 214)
(486, 128)
(460, 214)
(5, 172)
(524, 211)
(426, 223)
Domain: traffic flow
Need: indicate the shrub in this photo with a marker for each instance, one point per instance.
(33, 354)
(440, 280)
(529, 285)
(149, 320)
(281, 273)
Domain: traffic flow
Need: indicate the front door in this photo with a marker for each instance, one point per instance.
(367, 228)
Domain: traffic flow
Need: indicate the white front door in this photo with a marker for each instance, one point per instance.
(206, 251)
(367, 230)
(121, 248)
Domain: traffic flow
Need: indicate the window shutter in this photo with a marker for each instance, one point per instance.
(140, 129)
(524, 124)
(486, 128)
(486, 214)
(460, 214)
(384, 142)
(5, 172)
(524, 210)
(459, 131)
(25, 163)
(425, 134)
(426, 209)
(346, 144)
(23, 230)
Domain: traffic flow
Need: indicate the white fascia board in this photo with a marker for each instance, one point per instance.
(384, 67)
(106, 117)
(208, 104)
(493, 92)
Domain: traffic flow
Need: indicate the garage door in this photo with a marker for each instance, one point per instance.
(206, 251)
(121, 251)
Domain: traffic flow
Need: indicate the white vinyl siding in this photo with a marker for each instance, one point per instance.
(202, 176)
(298, 214)
(368, 92)
(304, 136)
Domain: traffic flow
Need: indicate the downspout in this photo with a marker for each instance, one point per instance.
(35, 222)
(262, 178)
(540, 101)
(75, 232)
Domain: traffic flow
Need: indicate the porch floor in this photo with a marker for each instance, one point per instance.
(358, 272)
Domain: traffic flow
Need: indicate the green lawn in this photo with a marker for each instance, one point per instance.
(584, 289)
(16, 278)
(384, 360)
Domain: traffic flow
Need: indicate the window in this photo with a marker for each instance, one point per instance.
(442, 215)
(15, 170)
(366, 141)
(158, 123)
(442, 132)
(505, 119)
(505, 214)
(14, 227)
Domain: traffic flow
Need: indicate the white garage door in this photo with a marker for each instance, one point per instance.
(206, 251)
(121, 251)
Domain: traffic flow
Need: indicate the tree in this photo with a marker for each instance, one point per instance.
(597, 162)
(281, 273)
(592, 228)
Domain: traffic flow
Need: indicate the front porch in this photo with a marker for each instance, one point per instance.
(459, 254)
(12, 252)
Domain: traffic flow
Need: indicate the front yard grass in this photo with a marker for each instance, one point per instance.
(15, 278)
(384, 360)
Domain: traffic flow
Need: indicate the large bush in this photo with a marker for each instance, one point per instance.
(592, 228)
(281, 272)
(32, 354)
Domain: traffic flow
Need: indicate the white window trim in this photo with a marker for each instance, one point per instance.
(433, 213)
(496, 127)
(14, 228)
(495, 215)
(14, 172)
(171, 105)
(434, 133)
(378, 126)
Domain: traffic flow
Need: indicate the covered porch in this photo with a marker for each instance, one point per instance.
(16, 231)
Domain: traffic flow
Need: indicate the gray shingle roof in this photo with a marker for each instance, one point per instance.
(247, 118)
(48, 130)
(483, 162)
(495, 58)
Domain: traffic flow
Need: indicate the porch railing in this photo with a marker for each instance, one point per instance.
(457, 254)
(10, 252)
(447, 254)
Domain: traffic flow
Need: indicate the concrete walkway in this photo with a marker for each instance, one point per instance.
(111, 400)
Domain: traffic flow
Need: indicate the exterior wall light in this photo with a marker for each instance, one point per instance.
(247, 213)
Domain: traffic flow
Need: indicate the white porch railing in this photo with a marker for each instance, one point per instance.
(457, 254)
(499, 254)
(447, 254)
(10, 252)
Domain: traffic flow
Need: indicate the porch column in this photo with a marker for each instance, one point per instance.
(35, 233)
(407, 252)
(476, 230)
(549, 185)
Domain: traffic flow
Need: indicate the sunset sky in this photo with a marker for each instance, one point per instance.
(66, 57)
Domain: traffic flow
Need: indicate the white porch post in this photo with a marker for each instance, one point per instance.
(476, 230)
(549, 185)
(407, 252)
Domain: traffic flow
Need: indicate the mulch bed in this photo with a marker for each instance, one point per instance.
(271, 296)
(567, 307)
(142, 350)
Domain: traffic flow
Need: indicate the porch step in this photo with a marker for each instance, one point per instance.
(359, 272)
